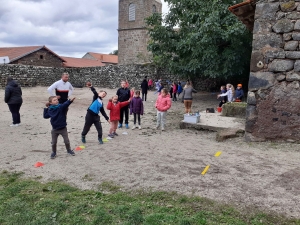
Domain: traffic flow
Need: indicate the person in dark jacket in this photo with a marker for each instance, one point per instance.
(57, 113)
(144, 87)
(13, 98)
(123, 95)
(137, 108)
(239, 93)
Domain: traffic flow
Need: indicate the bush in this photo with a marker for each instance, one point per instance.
(235, 109)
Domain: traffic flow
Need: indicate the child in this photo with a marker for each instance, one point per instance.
(239, 93)
(171, 89)
(163, 103)
(92, 116)
(137, 108)
(179, 89)
(229, 93)
(57, 113)
(223, 99)
(174, 91)
(132, 92)
(115, 107)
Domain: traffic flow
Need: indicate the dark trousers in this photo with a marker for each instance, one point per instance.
(174, 97)
(138, 117)
(124, 110)
(64, 133)
(15, 112)
(144, 96)
(91, 119)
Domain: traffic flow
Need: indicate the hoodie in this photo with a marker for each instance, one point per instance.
(13, 93)
(163, 103)
(57, 113)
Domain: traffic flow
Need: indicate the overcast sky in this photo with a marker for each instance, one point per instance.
(67, 27)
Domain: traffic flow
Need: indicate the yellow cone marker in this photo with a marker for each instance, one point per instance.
(218, 154)
(82, 146)
(205, 170)
(105, 140)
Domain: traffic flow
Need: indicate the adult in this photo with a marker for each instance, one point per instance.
(230, 93)
(63, 89)
(123, 95)
(144, 87)
(187, 96)
(13, 98)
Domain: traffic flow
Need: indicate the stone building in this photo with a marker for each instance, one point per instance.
(32, 55)
(133, 35)
(273, 109)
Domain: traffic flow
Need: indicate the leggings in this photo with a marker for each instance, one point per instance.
(138, 117)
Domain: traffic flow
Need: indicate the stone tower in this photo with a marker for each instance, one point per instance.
(133, 35)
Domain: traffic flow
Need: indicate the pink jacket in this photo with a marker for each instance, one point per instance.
(174, 88)
(163, 103)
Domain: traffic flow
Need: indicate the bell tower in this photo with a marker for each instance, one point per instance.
(133, 35)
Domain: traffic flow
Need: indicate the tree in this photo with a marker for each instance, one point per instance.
(114, 52)
(209, 40)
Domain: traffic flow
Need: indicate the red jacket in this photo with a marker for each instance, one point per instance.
(174, 88)
(115, 109)
(163, 103)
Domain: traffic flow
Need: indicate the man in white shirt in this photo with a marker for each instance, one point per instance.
(63, 88)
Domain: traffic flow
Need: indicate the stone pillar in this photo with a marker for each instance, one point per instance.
(273, 110)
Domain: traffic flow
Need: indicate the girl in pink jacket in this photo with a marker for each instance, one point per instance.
(163, 103)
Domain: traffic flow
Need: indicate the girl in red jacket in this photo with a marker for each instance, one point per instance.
(174, 85)
(114, 106)
(163, 103)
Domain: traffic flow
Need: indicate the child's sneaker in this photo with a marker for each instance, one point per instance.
(115, 134)
(111, 135)
(162, 129)
(140, 127)
(126, 125)
(71, 152)
(133, 127)
(120, 125)
(83, 139)
(100, 141)
(53, 155)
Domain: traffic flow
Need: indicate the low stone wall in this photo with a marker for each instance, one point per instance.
(105, 76)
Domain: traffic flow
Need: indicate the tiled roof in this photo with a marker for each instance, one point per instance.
(105, 58)
(15, 53)
(245, 12)
(80, 62)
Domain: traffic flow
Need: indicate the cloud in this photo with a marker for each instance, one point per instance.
(69, 28)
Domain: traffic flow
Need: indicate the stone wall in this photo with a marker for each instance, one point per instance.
(133, 35)
(104, 76)
(41, 57)
(273, 110)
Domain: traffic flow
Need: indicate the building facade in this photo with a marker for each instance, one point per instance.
(133, 35)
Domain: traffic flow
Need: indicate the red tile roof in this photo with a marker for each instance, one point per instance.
(105, 58)
(15, 53)
(80, 62)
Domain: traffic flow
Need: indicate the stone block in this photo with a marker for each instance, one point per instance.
(281, 65)
(291, 45)
(287, 36)
(266, 10)
(261, 26)
(269, 39)
(292, 55)
(251, 138)
(288, 6)
(261, 80)
(283, 26)
(297, 25)
(280, 77)
(256, 59)
(297, 66)
(292, 76)
(222, 135)
(273, 53)
(251, 100)
(296, 36)
(293, 15)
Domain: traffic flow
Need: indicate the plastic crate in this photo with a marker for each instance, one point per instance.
(191, 118)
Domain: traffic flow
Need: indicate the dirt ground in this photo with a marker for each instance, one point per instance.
(262, 175)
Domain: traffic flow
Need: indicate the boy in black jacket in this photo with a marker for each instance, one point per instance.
(57, 113)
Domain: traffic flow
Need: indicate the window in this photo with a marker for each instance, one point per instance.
(132, 12)
(41, 57)
(154, 9)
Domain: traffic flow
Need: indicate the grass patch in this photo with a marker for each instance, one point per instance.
(234, 109)
(24, 201)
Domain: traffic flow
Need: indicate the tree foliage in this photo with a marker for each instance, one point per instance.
(209, 40)
(114, 52)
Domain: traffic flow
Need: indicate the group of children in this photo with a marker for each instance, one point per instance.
(118, 106)
(229, 94)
